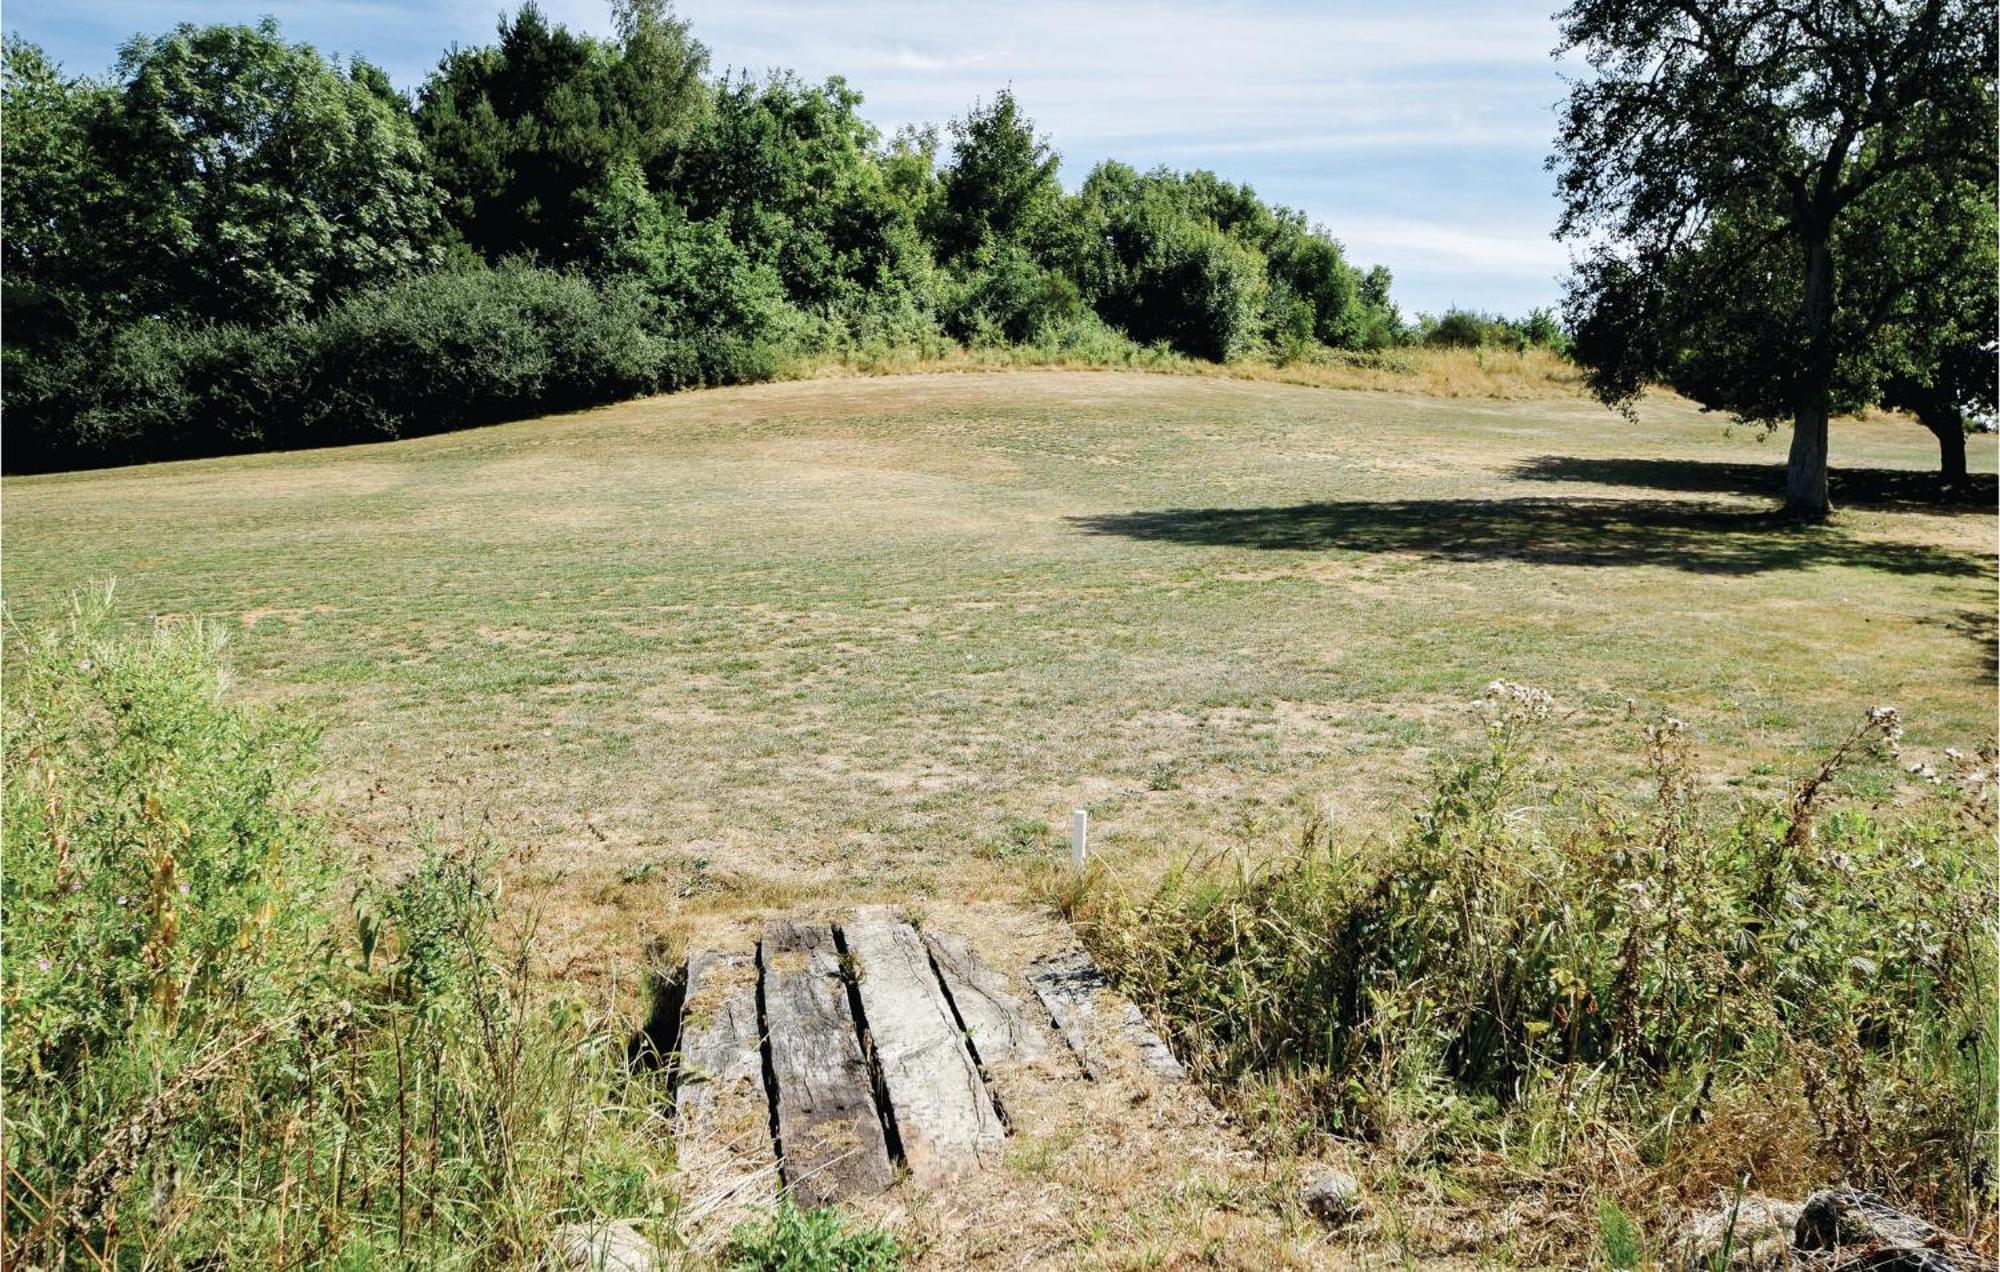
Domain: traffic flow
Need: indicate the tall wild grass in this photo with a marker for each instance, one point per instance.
(1632, 1002)
(215, 1054)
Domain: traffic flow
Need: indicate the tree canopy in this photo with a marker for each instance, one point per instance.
(227, 175)
(1780, 203)
(527, 133)
(1001, 185)
(234, 241)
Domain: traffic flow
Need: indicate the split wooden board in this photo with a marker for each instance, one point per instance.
(831, 1140)
(944, 1116)
(838, 1055)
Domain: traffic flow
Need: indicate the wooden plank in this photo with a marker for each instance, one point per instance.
(722, 1115)
(1152, 1050)
(945, 1119)
(828, 1128)
(1067, 985)
(999, 1022)
(720, 1046)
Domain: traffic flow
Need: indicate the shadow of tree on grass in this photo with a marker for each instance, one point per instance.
(1979, 627)
(1696, 537)
(1888, 488)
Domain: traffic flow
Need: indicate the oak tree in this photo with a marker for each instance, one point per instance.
(1760, 187)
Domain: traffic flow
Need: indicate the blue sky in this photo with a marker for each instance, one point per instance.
(1414, 133)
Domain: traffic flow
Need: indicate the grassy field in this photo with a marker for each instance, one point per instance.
(695, 656)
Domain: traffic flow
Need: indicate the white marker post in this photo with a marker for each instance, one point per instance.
(1079, 837)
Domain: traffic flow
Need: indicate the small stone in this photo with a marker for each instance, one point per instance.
(1331, 1196)
(1757, 1232)
(610, 1245)
(1879, 1236)
(1833, 1218)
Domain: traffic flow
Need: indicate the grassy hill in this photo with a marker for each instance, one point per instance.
(877, 637)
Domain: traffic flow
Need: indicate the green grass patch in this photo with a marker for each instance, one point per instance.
(818, 1240)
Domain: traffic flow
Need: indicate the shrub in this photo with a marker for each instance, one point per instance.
(473, 347)
(1604, 978)
(724, 319)
(1465, 329)
(1311, 267)
(1004, 296)
(1541, 329)
(161, 882)
(440, 351)
(1458, 329)
(166, 391)
(1123, 227)
(1183, 282)
(1288, 320)
(200, 1068)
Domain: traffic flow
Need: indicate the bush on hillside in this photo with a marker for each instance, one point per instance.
(1129, 237)
(722, 318)
(474, 347)
(1466, 329)
(440, 351)
(1005, 297)
(1200, 291)
(1457, 329)
(158, 390)
(1183, 282)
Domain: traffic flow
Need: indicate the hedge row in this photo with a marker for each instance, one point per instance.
(441, 351)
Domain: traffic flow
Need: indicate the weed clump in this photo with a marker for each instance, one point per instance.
(794, 1240)
(210, 1057)
(1607, 1000)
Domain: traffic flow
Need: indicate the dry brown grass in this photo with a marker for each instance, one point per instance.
(1506, 375)
(872, 638)
(699, 658)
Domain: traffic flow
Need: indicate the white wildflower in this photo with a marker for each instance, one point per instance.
(1523, 698)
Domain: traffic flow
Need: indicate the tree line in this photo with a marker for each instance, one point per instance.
(235, 243)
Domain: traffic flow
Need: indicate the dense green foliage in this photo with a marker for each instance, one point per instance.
(212, 1060)
(1464, 329)
(225, 175)
(526, 134)
(1788, 210)
(235, 243)
(1804, 991)
(443, 350)
(794, 1240)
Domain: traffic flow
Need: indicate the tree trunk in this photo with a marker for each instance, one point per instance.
(1805, 472)
(1950, 433)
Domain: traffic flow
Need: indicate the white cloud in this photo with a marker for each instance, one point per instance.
(910, 59)
(1437, 245)
(1118, 68)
